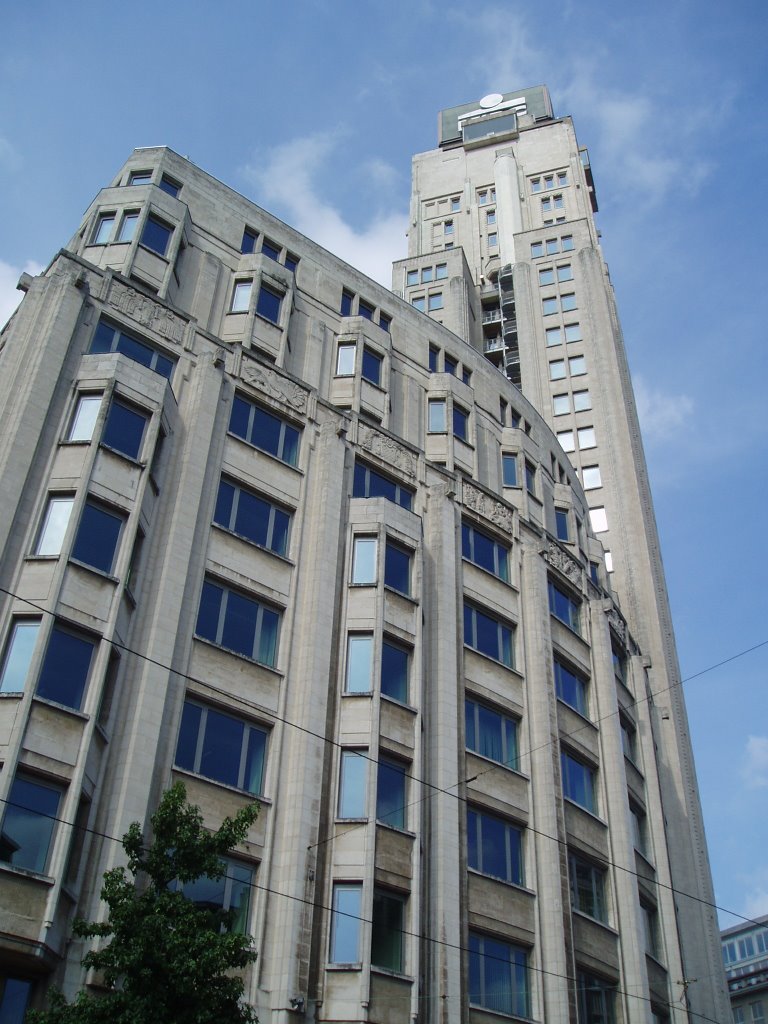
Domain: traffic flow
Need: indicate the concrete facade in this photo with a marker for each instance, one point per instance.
(272, 529)
(745, 955)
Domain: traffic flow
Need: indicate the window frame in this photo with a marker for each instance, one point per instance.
(401, 690)
(477, 717)
(581, 790)
(18, 654)
(129, 345)
(483, 988)
(572, 688)
(470, 534)
(254, 744)
(227, 618)
(478, 843)
(564, 606)
(587, 884)
(269, 303)
(505, 653)
(156, 235)
(353, 916)
(50, 684)
(287, 447)
(93, 519)
(392, 792)
(364, 475)
(43, 832)
(277, 535)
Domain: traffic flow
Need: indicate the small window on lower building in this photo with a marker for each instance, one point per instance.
(345, 923)
(140, 178)
(498, 976)
(18, 656)
(434, 355)
(66, 666)
(28, 824)
(268, 303)
(372, 364)
(98, 536)
(441, 271)
(128, 226)
(221, 747)
(347, 298)
(387, 927)
(391, 793)
(411, 278)
(483, 550)
(238, 623)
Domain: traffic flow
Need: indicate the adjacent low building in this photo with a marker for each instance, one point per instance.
(745, 955)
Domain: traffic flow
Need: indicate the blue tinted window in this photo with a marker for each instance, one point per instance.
(487, 635)
(28, 824)
(97, 537)
(494, 847)
(491, 734)
(291, 262)
(561, 523)
(14, 996)
(168, 185)
(571, 688)
(221, 747)
(509, 469)
(370, 484)
(564, 607)
(109, 339)
(345, 924)
(124, 429)
(484, 551)
(264, 430)
(268, 303)
(397, 568)
(255, 518)
(578, 782)
(248, 243)
(238, 623)
(390, 793)
(394, 671)
(365, 309)
(65, 668)
(270, 249)
(372, 363)
(498, 976)
(346, 303)
(156, 235)
(230, 892)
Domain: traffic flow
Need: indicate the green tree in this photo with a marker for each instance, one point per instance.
(168, 961)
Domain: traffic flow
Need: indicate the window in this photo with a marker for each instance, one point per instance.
(460, 423)
(566, 243)
(608, 561)
(561, 404)
(238, 623)
(591, 478)
(530, 477)
(270, 249)
(577, 366)
(493, 239)
(537, 250)
(264, 430)
(124, 429)
(434, 355)
(411, 278)
(365, 309)
(156, 235)
(587, 887)
(435, 301)
(598, 519)
(368, 483)
(488, 635)
(84, 419)
(490, 217)
(437, 416)
(345, 360)
(509, 469)
(384, 322)
(359, 662)
(568, 302)
(498, 976)
(466, 375)
(128, 226)
(353, 782)
(448, 227)
(546, 276)
(557, 369)
(450, 365)
(549, 306)
(268, 303)
(241, 296)
(170, 186)
(564, 607)
(250, 516)
(553, 336)
(565, 273)
(248, 244)
(494, 847)
(651, 932)
(390, 793)
(103, 230)
(628, 738)
(394, 671)
(553, 246)
(579, 782)
(347, 298)
(581, 401)
(426, 275)
(455, 204)
(221, 747)
(387, 945)
(372, 363)
(484, 551)
(364, 560)
(572, 333)
(14, 997)
(291, 262)
(97, 537)
(566, 439)
(345, 924)
(571, 688)
(140, 178)
(109, 339)
(738, 1015)
(419, 303)
(18, 656)
(65, 669)
(756, 1010)
(397, 568)
(596, 999)
(561, 524)
(586, 436)
(491, 733)
(639, 825)
(54, 528)
(441, 271)
(231, 892)
(30, 817)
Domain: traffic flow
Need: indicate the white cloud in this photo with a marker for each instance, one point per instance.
(286, 177)
(9, 277)
(755, 764)
(661, 414)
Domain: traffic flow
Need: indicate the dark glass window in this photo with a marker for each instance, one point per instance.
(394, 671)
(372, 363)
(264, 430)
(484, 551)
(231, 892)
(564, 607)
(65, 668)
(14, 996)
(571, 688)
(156, 235)
(248, 244)
(28, 824)
(270, 249)
(494, 847)
(291, 262)
(140, 178)
(254, 518)
(509, 469)
(578, 782)
(561, 523)
(346, 303)
(97, 537)
(387, 931)
(487, 635)
(460, 423)
(345, 924)
(434, 355)
(170, 186)
(268, 303)
(390, 793)
(109, 339)
(221, 747)
(491, 734)
(384, 322)
(124, 429)
(450, 365)
(498, 976)
(365, 309)
(530, 478)
(596, 999)
(587, 887)
(370, 484)
(238, 623)
(397, 568)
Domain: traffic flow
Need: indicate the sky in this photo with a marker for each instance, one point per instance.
(313, 109)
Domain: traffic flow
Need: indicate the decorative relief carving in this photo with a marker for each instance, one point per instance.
(387, 450)
(618, 624)
(562, 561)
(146, 312)
(274, 385)
(492, 510)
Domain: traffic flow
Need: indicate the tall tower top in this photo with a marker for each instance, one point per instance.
(496, 114)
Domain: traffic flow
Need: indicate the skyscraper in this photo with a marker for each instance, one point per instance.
(276, 531)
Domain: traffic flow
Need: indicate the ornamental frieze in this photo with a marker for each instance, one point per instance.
(617, 623)
(487, 507)
(564, 563)
(274, 385)
(388, 450)
(145, 311)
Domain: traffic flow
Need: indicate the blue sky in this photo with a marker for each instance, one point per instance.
(314, 108)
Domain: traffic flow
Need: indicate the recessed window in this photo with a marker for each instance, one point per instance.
(494, 847)
(18, 655)
(586, 436)
(140, 178)
(28, 823)
(291, 262)
(368, 483)
(537, 250)
(561, 524)
(231, 892)
(561, 404)
(353, 784)
(498, 976)
(566, 243)
(441, 271)
(364, 560)
(579, 782)
(639, 825)
(460, 423)
(546, 276)
(156, 235)
(581, 401)
(587, 887)
(488, 635)
(107, 338)
(251, 516)
(552, 246)
(238, 623)
(365, 309)
(577, 366)
(554, 336)
(359, 663)
(397, 567)
(448, 227)
(395, 661)
(435, 301)
(653, 946)
(434, 355)
(437, 416)
(387, 940)
(270, 249)
(455, 204)
(264, 430)
(103, 230)
(268, 303)
(628, 738)
(65, 668)
(482, 550)
(345, 360)
(84, 419)
(565, 273)
(390, 793)
(509, 469)
(372, 364)
(596, 998)
(571, 688)
(124, 429)
(385, 322)
(411, 278)
(128, 226)
(493, 239)
(419, 302)
(549, 306)
(221, 747)
(426, 275)
(170, 186)
(572, 332)
(491, 734)
(345, 924)
(248, 244)
(557, 369)
(54, 526)
(568, 302)
(450, 365)
(241, 296)
(530, 477)
(564, 607)
(98, 536)
(347, 298)
(567, 441)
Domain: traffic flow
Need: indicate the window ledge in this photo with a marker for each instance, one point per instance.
(238, 654)
(399, 593)
(93, 569)
(595, 920)
(499, 1013)
(351, 821)
(42, 558)
(582, 716)
(266, 320)
(75, 712)
(263, 451)
(400, 703)
(122, 455)
(497, 764)
(253, 797)
(488, 572)
(585, 810)
(253, 544)
(344, 967)
(495, 661)
(358, 693)
(9, 694)
(570, 629)
(392, 974)
(33, 876)
(66, 442)
(396, 828)
(503, 881)
(160, 255)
